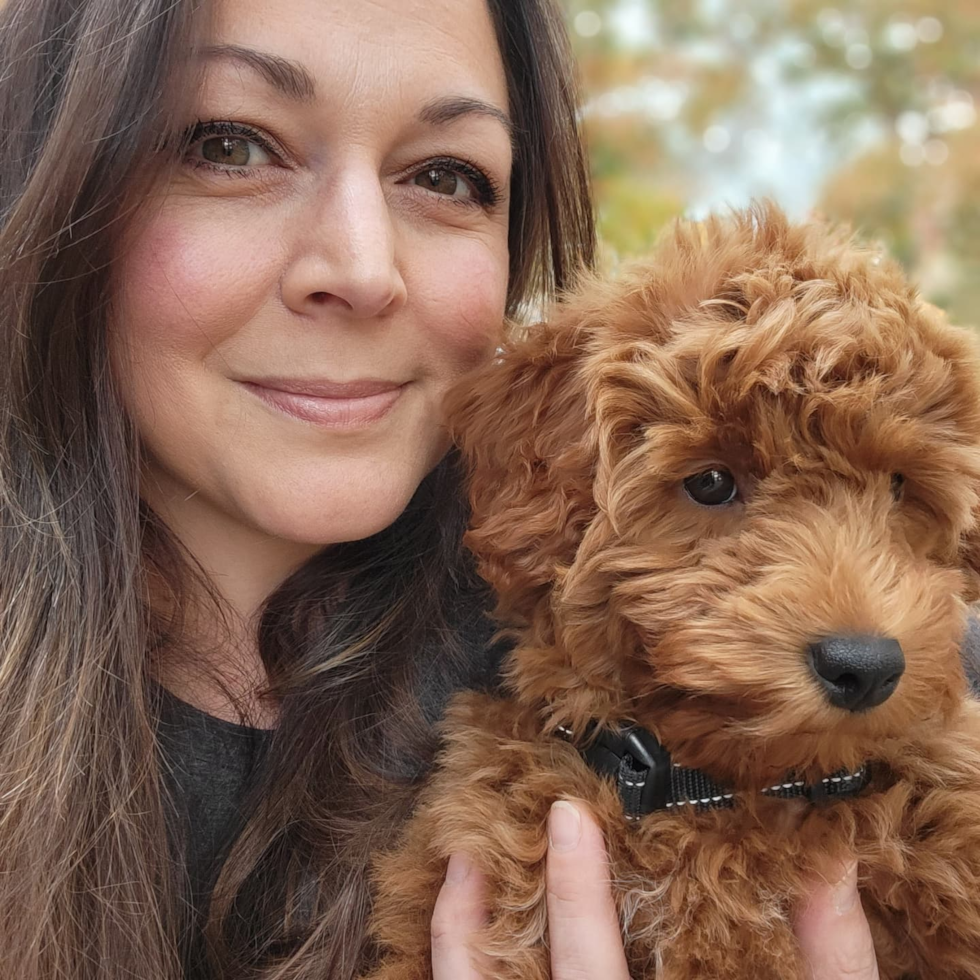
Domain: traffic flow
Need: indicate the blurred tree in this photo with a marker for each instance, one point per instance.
(865, 110)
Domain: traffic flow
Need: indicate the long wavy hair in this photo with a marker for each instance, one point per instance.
(90, 91)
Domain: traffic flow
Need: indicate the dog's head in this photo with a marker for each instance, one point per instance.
(733, 497)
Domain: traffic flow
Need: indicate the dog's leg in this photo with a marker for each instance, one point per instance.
(407, 885)
(490, 799)
(511, 946)
(707, 900)
(923, 896)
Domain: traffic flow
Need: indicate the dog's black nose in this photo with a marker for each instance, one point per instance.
(857, 672)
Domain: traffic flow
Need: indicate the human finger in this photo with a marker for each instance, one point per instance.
(458, 915)
(833, 931)
(584, 932)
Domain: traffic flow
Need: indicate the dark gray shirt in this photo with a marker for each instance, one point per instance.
(208, 764)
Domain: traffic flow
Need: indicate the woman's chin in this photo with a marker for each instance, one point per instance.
(323, 516)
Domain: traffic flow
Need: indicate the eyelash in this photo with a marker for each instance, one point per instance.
(485, 188)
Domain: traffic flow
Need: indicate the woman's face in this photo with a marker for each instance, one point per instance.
(327, 260)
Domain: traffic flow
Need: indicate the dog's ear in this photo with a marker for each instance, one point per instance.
(970, 558)
(970, 643)
(970, 647)
(522, 426)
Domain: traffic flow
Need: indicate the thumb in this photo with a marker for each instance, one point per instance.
(833, 932)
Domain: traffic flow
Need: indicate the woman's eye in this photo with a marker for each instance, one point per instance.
(457, 181)
(232, 151)
(228, 147)
(441, 180)
(712, 487)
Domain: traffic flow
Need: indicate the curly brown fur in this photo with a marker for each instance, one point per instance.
(810, 369)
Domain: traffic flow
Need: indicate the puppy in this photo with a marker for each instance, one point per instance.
(728, 505)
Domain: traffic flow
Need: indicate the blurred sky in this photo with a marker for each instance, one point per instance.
(865, 112)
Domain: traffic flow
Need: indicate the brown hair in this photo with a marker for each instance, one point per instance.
(90, 89)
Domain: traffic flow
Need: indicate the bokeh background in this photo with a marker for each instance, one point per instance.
(864, 111)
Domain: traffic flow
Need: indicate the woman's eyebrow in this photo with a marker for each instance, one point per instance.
(290, 78)
(446, 109)
(294, 81)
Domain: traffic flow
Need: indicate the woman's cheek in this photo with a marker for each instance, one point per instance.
(187, 281)
(463, 310)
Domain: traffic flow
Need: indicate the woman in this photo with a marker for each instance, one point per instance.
(246, 247)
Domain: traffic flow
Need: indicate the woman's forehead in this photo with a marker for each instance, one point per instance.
(401, 51)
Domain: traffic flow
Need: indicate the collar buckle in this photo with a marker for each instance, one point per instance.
(637, 761)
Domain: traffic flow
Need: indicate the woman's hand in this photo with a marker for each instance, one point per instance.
(585, 938)
(833, 931)
(583, 927)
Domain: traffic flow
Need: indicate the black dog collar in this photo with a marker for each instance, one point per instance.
(648, 780)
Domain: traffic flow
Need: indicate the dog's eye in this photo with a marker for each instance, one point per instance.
(898, 483)
(712, 487)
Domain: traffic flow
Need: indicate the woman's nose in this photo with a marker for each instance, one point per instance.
(343, 254)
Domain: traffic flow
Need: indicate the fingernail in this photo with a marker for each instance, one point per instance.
(845, 892)
(564, 826)
(459, 869)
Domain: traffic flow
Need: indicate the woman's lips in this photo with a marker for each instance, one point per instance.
(333, 406)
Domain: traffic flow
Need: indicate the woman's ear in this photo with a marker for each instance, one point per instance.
(522, 425)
